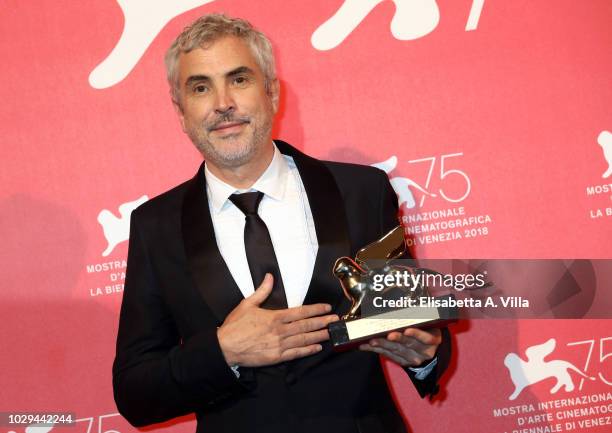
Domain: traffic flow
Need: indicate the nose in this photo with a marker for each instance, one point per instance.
(224, 101)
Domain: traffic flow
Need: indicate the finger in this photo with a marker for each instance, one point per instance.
(409, 342)
(308, 325)
(299, 352)
(387, 354)
(262, 292)
(429, 337)
(298, 313)
(396, 336)
(306, 339)
(412, 345)
(410, 355)
(426, 350)
(403, 356)
(389, 345)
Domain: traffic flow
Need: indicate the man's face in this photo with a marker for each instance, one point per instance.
(224, 105)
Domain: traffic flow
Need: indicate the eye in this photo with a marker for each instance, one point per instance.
(241, 81)
(200, 88)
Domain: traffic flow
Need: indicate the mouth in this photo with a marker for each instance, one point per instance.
(228, 127)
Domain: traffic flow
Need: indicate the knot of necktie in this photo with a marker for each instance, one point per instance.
(247, 202)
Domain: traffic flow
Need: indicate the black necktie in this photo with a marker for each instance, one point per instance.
(259, 249)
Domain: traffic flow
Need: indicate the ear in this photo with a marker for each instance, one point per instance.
(274, 93)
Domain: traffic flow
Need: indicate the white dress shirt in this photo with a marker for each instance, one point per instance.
(285, 210)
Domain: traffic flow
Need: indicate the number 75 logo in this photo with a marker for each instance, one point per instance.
(445, 175)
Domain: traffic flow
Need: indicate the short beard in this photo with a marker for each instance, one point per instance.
(230, 156)
(225, 158)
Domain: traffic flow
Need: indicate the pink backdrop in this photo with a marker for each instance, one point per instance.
(500, 111)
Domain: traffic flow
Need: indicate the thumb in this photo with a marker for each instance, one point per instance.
(263, 291)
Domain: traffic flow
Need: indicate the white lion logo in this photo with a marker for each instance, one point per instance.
(144, 19)
(605, 141)
(117, 230)
(535, 369)
(412, 20)
(401, 184)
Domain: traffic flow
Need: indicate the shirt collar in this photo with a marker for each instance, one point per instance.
(272, 183)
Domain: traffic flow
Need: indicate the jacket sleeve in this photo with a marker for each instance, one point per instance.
(389, 219)
(156, 375)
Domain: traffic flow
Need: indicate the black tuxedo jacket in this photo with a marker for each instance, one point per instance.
(178, 290)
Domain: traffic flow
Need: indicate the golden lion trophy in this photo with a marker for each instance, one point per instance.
(371, 279)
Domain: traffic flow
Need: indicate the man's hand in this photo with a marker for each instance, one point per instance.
(411, 348)
(252, 336)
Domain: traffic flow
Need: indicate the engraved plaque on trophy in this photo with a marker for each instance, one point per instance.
(370, 281)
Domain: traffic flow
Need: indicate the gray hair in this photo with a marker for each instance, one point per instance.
(210, 28)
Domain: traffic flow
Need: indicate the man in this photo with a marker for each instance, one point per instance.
(200, 331)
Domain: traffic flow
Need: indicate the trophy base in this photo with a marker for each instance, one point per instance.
(345, 335)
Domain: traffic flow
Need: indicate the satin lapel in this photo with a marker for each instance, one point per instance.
(327, 207)
(208, 269)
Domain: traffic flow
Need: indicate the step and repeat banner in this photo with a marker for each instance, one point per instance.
(492, 118)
